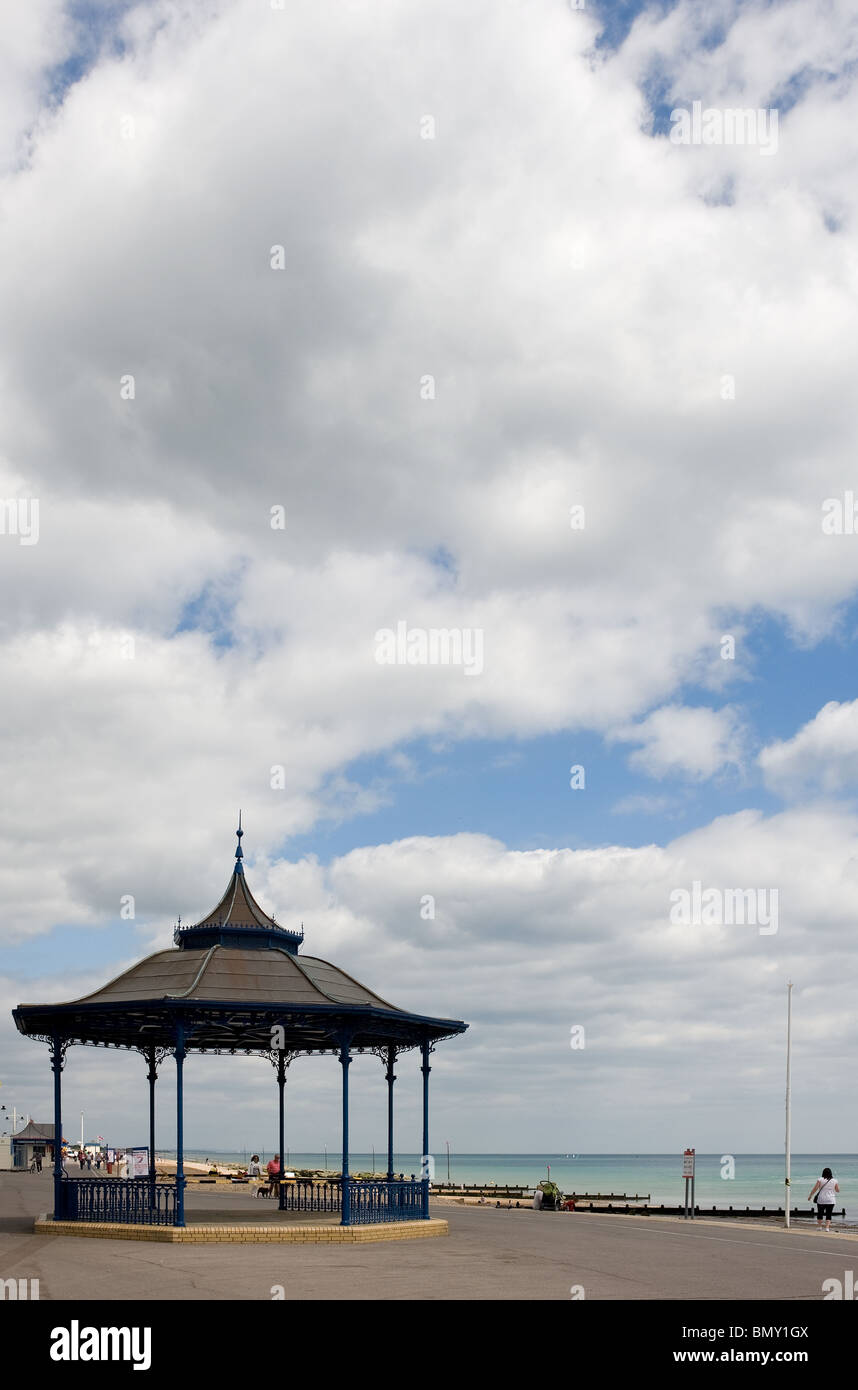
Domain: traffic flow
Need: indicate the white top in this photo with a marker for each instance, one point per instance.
(826, 1193)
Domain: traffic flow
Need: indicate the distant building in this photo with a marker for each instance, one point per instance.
(29, 1141)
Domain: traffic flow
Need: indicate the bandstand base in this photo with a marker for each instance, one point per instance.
(251, 1234)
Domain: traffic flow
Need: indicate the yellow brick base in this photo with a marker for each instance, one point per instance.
(244, 1235)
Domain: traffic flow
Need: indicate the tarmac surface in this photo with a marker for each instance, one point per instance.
(489, 1254)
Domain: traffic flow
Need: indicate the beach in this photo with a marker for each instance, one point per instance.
(758, 1178)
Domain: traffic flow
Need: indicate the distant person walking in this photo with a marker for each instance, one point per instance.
(253, 1167)
(825, 1188)
(273, 1174)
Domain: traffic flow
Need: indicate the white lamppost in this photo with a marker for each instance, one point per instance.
(788, 1098)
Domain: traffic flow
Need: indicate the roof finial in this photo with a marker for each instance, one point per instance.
(239, 869)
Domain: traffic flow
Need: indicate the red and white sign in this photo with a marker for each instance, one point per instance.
(139, 1167)
(688, 1163)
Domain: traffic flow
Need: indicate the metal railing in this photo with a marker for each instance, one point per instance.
(142, 1202)
(373, 1202)
(129, 1201)
(306, 1195)
(370, 1201)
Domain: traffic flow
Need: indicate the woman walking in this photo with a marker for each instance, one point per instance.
(825, 1189)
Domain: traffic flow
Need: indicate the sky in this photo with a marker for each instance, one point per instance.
(328, 329)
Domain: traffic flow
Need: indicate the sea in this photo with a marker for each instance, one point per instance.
(721, 1180)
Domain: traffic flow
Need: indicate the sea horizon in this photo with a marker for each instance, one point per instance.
(757, 1178)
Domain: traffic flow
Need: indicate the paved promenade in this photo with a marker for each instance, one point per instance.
(489, 1254)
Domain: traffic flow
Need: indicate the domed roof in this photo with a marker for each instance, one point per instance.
(230, 980)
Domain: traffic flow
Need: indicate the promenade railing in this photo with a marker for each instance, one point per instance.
(371, 1201)
(306, 1195)
(130, 1201)
(374, 1202)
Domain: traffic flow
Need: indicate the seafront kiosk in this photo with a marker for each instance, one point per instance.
(236, 982)
(29, 1141)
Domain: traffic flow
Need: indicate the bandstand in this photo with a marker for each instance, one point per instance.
(237, 982)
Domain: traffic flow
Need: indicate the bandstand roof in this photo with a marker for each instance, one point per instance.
(231, 978)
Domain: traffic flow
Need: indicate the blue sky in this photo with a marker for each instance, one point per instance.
(96, 28)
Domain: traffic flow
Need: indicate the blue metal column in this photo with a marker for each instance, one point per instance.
(281, 1082)
(391, 1058)
(152, 1077)
(57, 1065)
(180, 1135)
(345, 1063)
(425, 1165)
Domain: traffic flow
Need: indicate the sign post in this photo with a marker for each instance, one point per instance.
(688, 1175)
(139, 1165)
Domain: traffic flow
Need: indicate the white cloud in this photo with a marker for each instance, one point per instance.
(36, 37)
(684, 741)
(821, 759)
(523, 946)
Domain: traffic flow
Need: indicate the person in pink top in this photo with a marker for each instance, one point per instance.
(273, 1174)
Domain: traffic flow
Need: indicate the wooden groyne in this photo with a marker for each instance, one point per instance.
(521, 1191)
(805, 1212)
